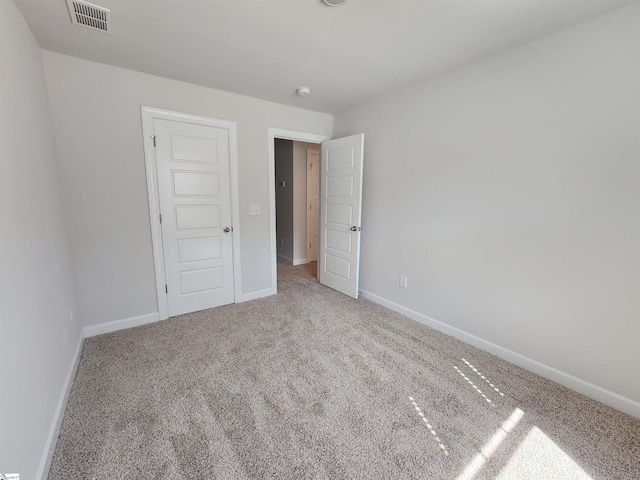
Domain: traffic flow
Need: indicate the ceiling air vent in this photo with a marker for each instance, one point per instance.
(89, 15)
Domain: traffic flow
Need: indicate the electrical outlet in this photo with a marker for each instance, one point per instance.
(70, 318)
(403, 281)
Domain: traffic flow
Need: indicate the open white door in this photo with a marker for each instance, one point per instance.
(340, 213)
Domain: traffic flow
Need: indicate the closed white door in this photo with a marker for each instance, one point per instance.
(340, 213)
(195, 207)
(313, 220)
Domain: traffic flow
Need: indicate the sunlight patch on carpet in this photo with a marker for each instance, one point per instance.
(538, 456)
(482, 377)
(443, 447)
(475, 387)
(489, 448)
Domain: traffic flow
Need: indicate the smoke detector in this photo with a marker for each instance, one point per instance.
(303, 91)
(334, 3)
(88, 15)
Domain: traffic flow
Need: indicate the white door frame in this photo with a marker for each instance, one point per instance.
(148, 116)
(272, 134)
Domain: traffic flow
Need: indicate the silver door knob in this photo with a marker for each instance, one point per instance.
(226, 229)
(354, 229)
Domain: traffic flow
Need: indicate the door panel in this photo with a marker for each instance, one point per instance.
(192, 249)
(197, 216)
(202, 280)
(340, 241)
(339, 186)
(194, 149)
(313, 219)
(195, 204)
(340, 213)
(338, 267)
(195, 184)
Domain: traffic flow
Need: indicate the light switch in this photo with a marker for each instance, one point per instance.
(255, 210)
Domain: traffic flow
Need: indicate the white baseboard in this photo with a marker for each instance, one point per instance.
(291, 261)
(245, 297)
(283, 259)
(576, 384)
(54, 431)
(108, 327)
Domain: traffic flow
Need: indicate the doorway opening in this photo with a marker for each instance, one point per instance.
(297, 184)
(340, 199)
(277, 139)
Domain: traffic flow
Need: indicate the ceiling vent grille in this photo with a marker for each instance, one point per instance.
(91, 16)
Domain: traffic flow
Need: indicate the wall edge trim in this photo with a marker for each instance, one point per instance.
(246, 297)
(114, 326)
(56, 424)
(595, 392)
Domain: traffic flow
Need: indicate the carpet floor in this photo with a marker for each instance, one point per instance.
(311, 384)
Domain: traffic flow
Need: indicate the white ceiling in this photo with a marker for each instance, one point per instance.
(267, 48)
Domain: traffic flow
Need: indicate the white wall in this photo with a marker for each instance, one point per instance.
(509, 194)
(284, 198)
(300, 207)
(96, 110)
(36, 272)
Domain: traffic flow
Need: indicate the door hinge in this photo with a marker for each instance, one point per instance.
(160, 218)
(153, 137)
(166, 289)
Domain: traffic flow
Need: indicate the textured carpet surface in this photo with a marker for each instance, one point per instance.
(312, 384)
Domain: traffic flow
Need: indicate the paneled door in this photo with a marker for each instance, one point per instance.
(195, 213)
(313, 219)
(340, 213)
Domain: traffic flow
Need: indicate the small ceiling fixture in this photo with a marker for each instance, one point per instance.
(334, 3)
(303, 91)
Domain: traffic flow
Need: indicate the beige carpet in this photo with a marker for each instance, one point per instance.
(312, 384)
